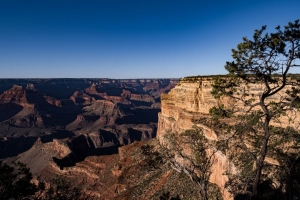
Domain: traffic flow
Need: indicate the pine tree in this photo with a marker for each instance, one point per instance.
(259, 125)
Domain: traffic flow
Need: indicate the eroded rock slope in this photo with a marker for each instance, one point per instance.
(108, 112)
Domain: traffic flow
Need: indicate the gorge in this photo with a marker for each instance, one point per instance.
(96, 137)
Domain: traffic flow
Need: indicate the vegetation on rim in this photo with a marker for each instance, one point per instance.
(16, 183)
(196, 150)
(265, 150)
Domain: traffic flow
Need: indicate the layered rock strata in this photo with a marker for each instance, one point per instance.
(122, 176)
(191, 99)
(107, 111)
(188, 101)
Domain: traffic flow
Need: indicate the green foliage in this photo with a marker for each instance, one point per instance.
(220, 112)
(200, 158)
(261, 94)
(167, 196)
(15, 181)
(288, 156)
(199, 146)
(60, 189)
(152, 158)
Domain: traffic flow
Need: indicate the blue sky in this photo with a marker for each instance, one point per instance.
(129, 38)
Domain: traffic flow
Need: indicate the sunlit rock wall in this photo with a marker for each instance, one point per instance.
(191, 99)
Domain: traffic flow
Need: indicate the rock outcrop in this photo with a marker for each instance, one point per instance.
(121, 176)
(189, 101)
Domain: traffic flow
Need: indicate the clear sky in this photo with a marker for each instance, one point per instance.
(129, 38)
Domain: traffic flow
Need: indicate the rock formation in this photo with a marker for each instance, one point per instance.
(112, 112)
(190, 100)
(108, 175)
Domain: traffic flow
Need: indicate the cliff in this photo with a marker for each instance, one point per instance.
(188, 101)
(191, 100)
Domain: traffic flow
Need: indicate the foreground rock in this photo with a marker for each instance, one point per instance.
(122, 175)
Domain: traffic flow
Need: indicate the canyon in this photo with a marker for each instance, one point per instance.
(106, 112)
(92, 131)
(89, 131)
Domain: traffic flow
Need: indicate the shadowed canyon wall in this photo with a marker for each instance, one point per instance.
(105, 111)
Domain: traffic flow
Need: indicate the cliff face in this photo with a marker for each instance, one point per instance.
(183, 104)
(188, 101)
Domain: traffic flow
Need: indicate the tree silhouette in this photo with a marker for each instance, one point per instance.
(15, 182)
(259, 124)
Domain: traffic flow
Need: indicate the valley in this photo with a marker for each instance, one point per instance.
(85, 113)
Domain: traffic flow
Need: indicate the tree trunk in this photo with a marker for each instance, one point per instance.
(262, 156)
(289, 186)
(203, 191)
